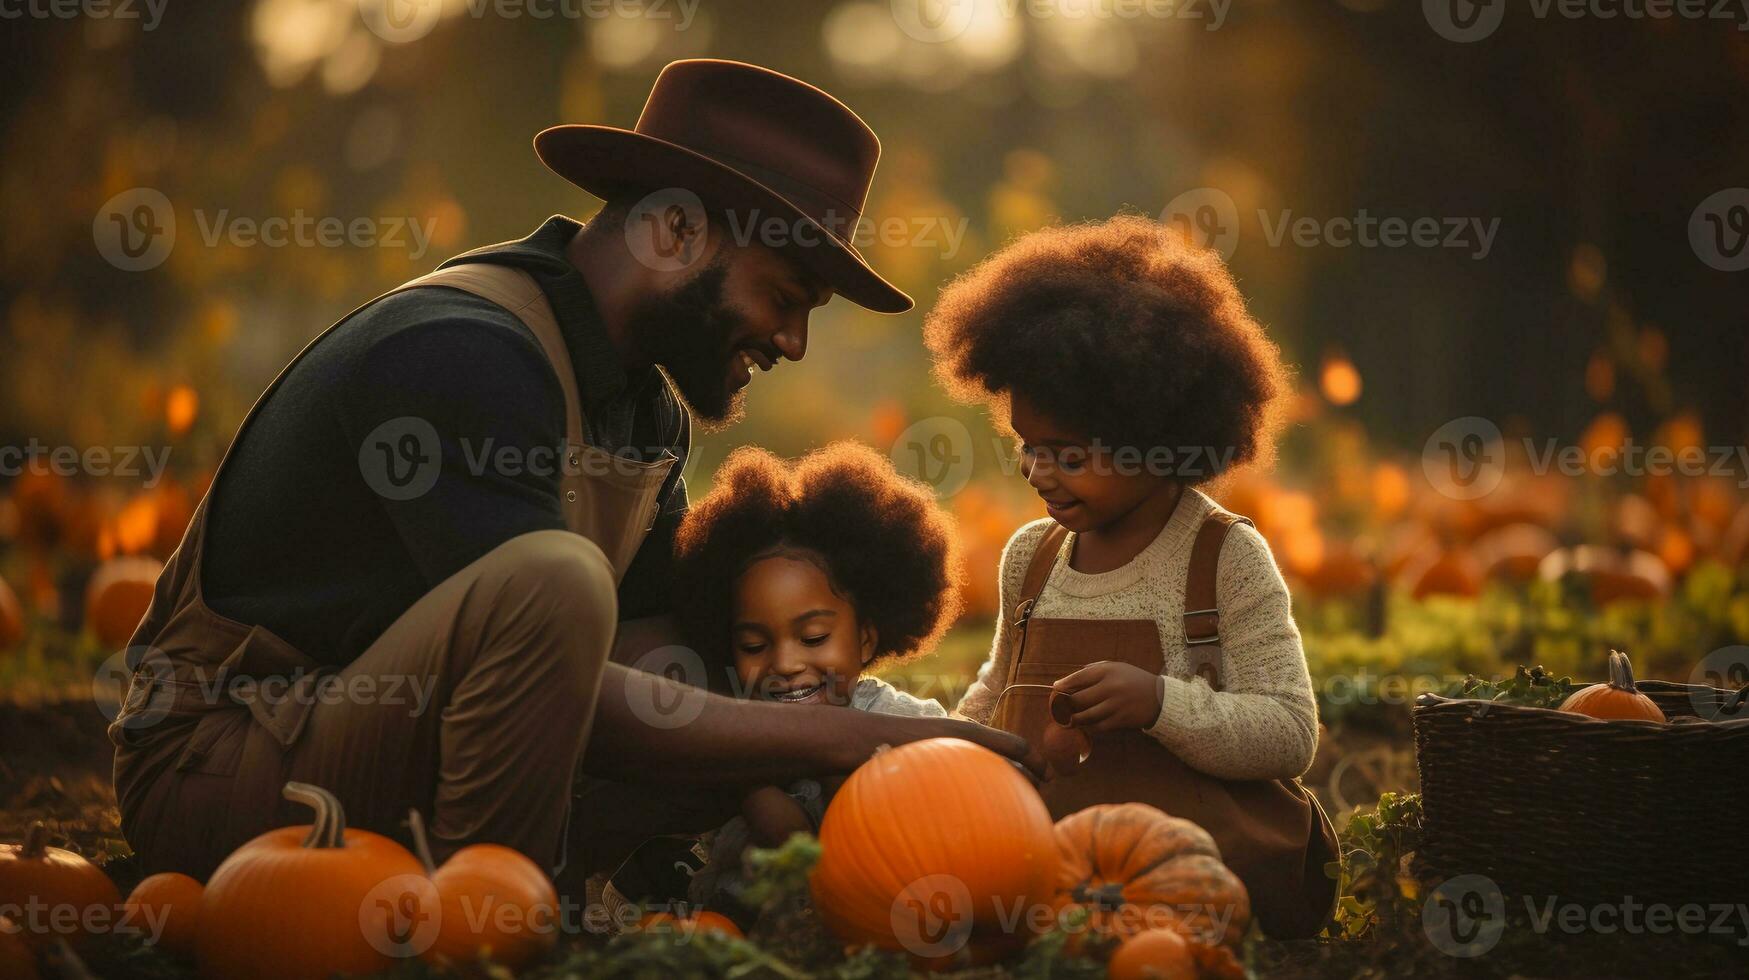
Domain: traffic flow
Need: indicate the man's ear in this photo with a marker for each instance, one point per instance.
(869, 637)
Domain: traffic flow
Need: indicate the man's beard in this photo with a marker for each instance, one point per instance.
(690, 333)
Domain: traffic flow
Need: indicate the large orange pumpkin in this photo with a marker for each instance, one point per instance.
(66, 895)
(11, 618)
(169, 903)
(1616, 698)
(493, 902)
(117, 598)
(1132, 867)
(302, 903)
(17, 961)
(938, 848)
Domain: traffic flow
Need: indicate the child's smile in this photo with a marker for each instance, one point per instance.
(796, 640)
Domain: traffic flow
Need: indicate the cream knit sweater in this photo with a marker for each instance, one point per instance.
(1264, 725)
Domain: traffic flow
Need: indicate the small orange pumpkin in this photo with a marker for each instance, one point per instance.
(17, 961)
(926, 849)
(687, 926)
(302, 903)
(1153, 954)
(1616, 698)
(1132, 867)
(11, 618)
(168, 903)
(1064, 749)
(493, 903)
(75, 897)
(118, 596)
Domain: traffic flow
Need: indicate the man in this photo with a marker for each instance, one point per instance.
(407, 578)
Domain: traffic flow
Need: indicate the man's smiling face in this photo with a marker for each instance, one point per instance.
(741, 309)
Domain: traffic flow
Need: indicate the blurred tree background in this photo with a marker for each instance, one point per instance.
(1590, 140)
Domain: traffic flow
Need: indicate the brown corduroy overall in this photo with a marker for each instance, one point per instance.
(1272, 833)
(473, 706)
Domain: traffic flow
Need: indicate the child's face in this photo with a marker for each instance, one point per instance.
(796, 641)
(1084, 487)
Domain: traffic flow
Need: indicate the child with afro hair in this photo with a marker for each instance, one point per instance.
(1123, 360)
(799, 578)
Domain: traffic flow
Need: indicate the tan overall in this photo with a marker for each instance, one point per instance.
(1271, 833)
(473, 706)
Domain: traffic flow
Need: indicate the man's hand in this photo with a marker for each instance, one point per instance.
(1111, 696)
(877, 730)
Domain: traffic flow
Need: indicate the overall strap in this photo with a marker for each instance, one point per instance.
(517, 292)
(1202, 615)
(1038, 571)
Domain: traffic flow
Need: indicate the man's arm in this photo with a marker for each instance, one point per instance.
(649, 728)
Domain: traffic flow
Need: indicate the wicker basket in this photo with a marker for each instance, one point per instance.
(1552, 804)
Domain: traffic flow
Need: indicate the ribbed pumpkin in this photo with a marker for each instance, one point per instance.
(929, 848)
(17, 961)
(1154, 954)
(494, 902)
(1616, 698)
(60, 881)
(1133, 867)
(117, 598)
(169, 902)
(302, 903)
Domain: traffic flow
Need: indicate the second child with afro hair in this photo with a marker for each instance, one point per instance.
(798, 577)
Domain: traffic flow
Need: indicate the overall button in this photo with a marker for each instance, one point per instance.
(571, 495)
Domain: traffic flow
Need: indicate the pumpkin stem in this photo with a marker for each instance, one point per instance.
(329, 827)
(421, 846)
(1107, 897)
(1621, 672)
(35, 841)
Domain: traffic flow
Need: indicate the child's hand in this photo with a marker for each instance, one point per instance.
(772, 816)
(1111, 696)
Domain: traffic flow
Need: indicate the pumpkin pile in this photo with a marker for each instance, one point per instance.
(310, 901)
(929, 849)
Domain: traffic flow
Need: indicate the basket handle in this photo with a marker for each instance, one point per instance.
(1735, 701)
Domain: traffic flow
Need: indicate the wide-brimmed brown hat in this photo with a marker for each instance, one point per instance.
(750, 141)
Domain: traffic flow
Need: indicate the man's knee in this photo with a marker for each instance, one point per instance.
(560, 579)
